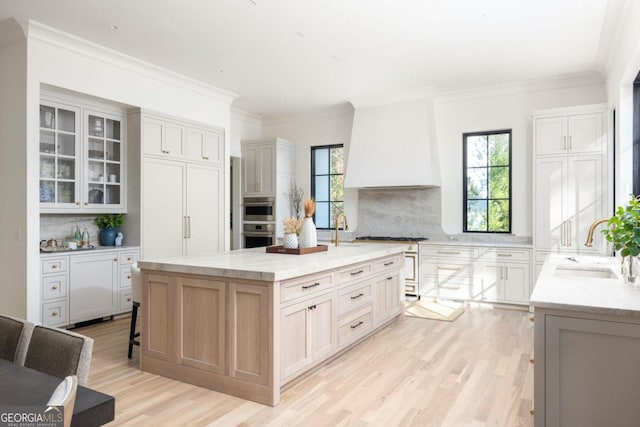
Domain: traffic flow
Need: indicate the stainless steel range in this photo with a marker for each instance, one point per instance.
(411, 261)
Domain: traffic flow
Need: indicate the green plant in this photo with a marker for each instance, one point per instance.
(109, 220)
(623, 229)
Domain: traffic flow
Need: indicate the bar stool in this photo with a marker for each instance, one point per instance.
(136, 292)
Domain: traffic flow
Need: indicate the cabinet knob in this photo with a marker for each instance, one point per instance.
(54, 266)
(128, 299)
(78, 203)
(128, 277)
(86, 203)
(54, 314)
(115, 259)
(128, 258)
(54, 288)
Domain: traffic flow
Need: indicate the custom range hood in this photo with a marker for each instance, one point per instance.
(393, 144)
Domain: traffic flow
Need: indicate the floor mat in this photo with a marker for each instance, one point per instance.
(435, 310)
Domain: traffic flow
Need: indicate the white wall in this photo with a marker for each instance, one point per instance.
(329, 127)
(622, 68)
(15, 237)
(61, 60)
(507, 107)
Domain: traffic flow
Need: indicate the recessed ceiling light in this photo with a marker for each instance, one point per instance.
(114, 27)
(335, 58)
(253, 2)
(299, 34)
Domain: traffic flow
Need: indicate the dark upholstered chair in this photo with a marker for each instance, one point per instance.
(14, 338)
(136, 291)
(65, 395)
(60, 353)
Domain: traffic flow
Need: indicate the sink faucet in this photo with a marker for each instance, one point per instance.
(596, 223)
(345, 226)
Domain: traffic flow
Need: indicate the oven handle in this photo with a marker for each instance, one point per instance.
(259, 234)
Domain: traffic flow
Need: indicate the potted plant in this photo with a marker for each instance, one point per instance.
(623, 231)
(107, 225)
(291, 227)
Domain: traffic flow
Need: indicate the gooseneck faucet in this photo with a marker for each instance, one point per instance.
(345, 226)
(592, 229)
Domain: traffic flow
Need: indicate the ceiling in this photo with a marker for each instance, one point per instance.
(285, 57)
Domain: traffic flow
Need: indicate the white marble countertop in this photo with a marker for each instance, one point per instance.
(450, 242)
(87, 251)
(560, 287)
(257, 264)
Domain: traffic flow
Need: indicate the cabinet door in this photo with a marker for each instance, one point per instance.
(250, 170)
(585, 133)
(205, 146)
(322, 329)
(174, 140)
(205, 232)
(549, 202)
(59, 157)
(93, 282)
(489, 287)
(517, 279)
(267, 181)
(152, 136)
(585, 200)
(295, 347)
(551, 135)
(386, 298)
(163, 221)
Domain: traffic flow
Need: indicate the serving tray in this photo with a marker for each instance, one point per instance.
(296, 251)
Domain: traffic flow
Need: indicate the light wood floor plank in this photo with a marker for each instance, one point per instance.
(471, 372)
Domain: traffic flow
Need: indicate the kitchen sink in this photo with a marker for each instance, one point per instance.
(591, 273)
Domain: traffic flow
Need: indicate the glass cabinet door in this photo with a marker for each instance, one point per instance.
(103, 136)
(59, 161)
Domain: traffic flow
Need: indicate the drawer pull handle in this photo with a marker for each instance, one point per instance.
(360, 323)
(54, 266)
(54, 314)
(357, 296)
(355, 273)
(450, 268)
(115, 259)
(532, 319)
(311, 286)
(54, 288)
(311, 307)
(387, 264)
(390, 278)
(505, 254)
(449, 252)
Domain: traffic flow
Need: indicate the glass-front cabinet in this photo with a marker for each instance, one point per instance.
(81, 159)
(59, 156)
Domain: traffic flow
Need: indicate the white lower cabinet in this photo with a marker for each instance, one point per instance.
(386, 299)
(85, 286)
(505, 275)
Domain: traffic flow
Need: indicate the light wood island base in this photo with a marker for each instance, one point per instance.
(249, 338)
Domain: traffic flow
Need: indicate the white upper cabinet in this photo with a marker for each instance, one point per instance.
(163, 138)
(579, 133)
(82, 158)
(205, 146)
(259, 169)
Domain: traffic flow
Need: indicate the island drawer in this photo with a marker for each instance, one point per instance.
(354, 273)
(54, 286)
(387, 264)
(461, 252)
(353, 327)
(354, 296)
(54, 265)
(506, 255)
(300, 287)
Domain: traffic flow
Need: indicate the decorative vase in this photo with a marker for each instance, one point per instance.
(308, 234)
(108, 236)
(290, 241)
(631, 271)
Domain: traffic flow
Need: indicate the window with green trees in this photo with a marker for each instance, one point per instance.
(487, 181)
(327, 183)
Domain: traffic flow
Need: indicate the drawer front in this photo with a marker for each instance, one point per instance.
(54, 265)
(410, 288)
(446, 271)
(292, 289)
(506, 255)
(354, 296)
(390, 263)
(126, 300)
(54, 286)
(353, 327)
(125, 277)
(354, 273)
(128, 258)
(450, 252)
(460, 289)
(55, 313)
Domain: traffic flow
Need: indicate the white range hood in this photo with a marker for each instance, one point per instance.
(393, 145)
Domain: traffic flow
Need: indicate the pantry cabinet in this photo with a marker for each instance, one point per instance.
(571, 133)
(82, 158)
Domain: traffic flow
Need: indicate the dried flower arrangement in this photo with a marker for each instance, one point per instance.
(309, 208)
(292, 225)
(295, 196)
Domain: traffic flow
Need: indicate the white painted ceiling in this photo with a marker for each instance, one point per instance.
(294, 56)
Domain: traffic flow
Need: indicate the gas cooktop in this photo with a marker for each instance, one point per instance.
(390, 239)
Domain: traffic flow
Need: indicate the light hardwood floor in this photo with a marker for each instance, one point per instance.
(416, 372)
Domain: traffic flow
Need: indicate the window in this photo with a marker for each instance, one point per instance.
(327, 183)
(487, 181)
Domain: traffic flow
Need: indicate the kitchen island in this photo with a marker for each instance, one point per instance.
(248, 322)
(586, 343)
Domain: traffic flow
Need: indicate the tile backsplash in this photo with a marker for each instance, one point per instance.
(62, 227)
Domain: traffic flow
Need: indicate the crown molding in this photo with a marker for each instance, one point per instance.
(38, 31)
(334, 111)
(246, 116)
(537, 85)
(419, 94)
